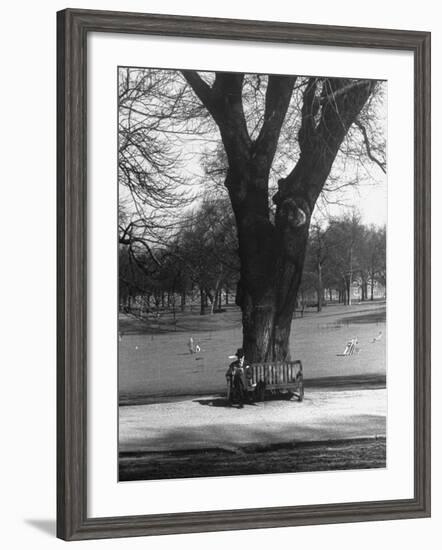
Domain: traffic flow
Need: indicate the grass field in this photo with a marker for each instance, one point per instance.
(155, 362)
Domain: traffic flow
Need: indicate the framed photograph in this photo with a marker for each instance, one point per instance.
(243, 274)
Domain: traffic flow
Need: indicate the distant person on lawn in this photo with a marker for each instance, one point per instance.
(191, 345)
(238, 377)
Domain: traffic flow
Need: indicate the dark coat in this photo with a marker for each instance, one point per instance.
(238, 375)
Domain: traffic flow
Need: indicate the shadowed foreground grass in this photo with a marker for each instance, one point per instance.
(283, 458)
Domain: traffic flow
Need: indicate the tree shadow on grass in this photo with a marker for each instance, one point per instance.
(213, 451)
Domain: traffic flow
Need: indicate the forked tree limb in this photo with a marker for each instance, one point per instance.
(368, 147)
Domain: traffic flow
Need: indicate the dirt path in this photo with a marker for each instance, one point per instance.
(210, 422)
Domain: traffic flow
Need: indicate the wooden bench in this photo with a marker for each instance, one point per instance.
(276, 376)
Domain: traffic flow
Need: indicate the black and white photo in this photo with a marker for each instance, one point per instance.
(252, 230)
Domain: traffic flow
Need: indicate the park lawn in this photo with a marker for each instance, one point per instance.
(154, 359)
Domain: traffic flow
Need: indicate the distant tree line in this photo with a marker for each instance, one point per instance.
(341, 255)
(198, 265)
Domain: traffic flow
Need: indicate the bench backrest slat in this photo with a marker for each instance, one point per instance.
(276, 373)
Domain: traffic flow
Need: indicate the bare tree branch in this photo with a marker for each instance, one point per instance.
(201, 88)
(368, 147)
(279, 92)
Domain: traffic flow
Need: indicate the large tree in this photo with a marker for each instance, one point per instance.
(272, 240)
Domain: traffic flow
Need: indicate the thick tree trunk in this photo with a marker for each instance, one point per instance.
(272, 257)
(266, 328)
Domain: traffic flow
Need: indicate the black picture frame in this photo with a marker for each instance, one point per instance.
(73, 26)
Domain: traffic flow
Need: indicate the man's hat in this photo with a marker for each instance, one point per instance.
(239, 353)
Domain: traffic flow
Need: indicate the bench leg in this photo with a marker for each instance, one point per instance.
(301, 390)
